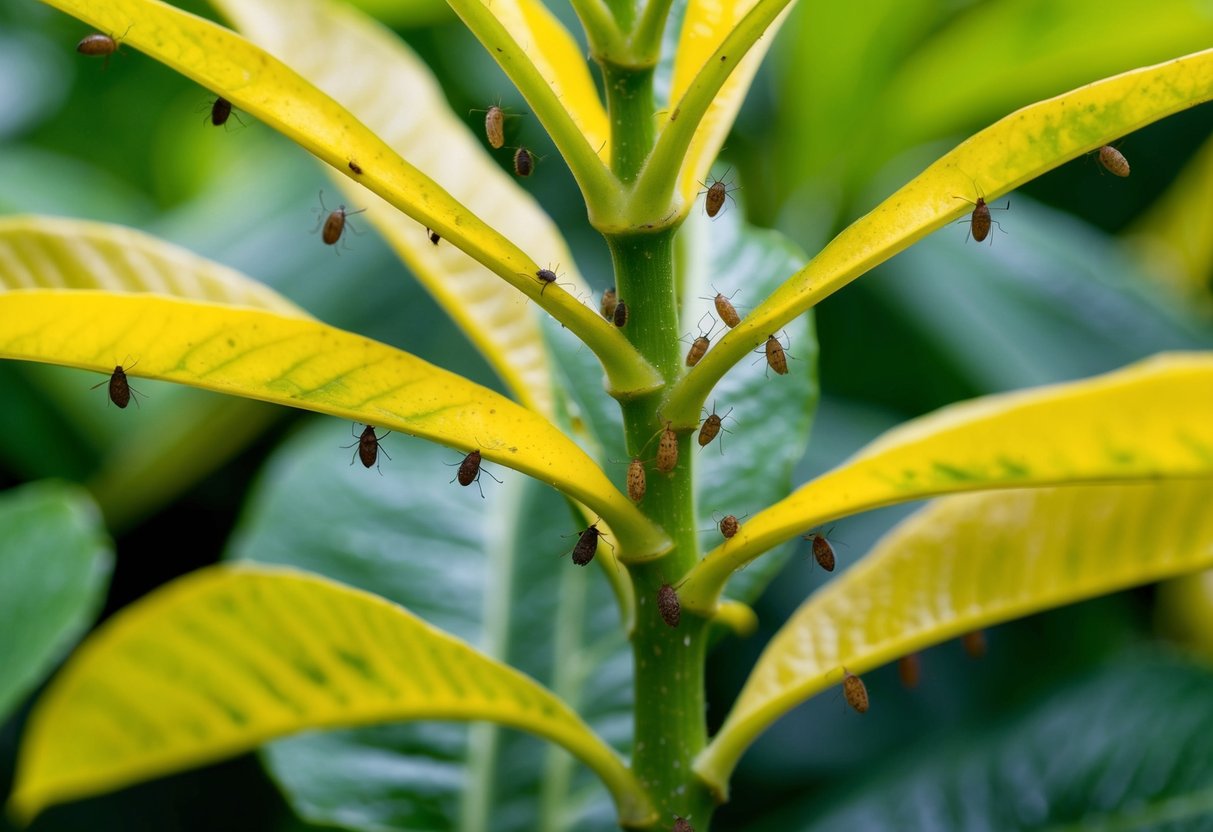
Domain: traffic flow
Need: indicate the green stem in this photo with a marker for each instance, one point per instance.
(646, 40)
(629, 92)
(599, 24)
(668, 662)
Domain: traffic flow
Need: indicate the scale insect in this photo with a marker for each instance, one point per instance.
(681, 824)
(699, 346)
(609, 301)
(712, 426)
(97, 45)
(729, 526)
(667, 450)
(469, 471)
(668, 605)
(717, 191)
(494, 124)
(855, 692)
(368, 444)
(120, 389)
(725, 309)
(980, 220)
(620, 315)
(637, 481)
(335, 223)
(1113, 160)
(587, 544)
(823, 552)
(524, 162)
(776, 355)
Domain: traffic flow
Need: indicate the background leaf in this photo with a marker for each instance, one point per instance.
(1125, 747)
(487, 570)
(961, 564)
(55, 565)
(233, 657)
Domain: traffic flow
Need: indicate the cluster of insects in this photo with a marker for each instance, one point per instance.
(494, 131)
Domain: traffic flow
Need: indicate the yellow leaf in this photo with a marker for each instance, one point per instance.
(303, 363)
(1015, 150)
(256, 82)
(54, 253)
(961, 564)
(227, 658)
(372, 71)
(704, 27)
(1153, 419)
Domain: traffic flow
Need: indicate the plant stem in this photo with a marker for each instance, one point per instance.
(629, 92)
(668, 662)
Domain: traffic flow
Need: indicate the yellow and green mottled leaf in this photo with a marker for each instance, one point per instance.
(227, 658)
(1153, 419)
(56, 253)
(961, 564)
(303, 363)
(705, 26)
(1015, 150)
(258, 83)
(371, 71)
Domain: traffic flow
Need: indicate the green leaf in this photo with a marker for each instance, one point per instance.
(301, 363)
(962, 564)
(487, 570)
(1129, 748)
(227, 658)
(1014, 150)
(742, 472)
(55, 563)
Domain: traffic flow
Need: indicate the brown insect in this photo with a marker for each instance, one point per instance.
(724, 308)
(524, 162)
(434, 238)
(587, 545)
(221, 111)
(980, 220)
(716, 192)
(823, 552)
(355, 167)
(335, 223)
(609, 302)
(700, 345)
(668, 606)
(681, 825)
(469, 471)
(97, 45)
(119, 389)
(667, 450)
(637, 484)
(712, 426)
(1113, 160)
(369, 447)
(855, 692)
(621, 314)
(975, 644)
(547, 277)
(909, 669)
(494, 127)
(777, 358)
(729, 526)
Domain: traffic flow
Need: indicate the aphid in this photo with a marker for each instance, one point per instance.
(494, 128)
(667, 449)
(469, 471)
(547, 277)
(823, 552)
(979, 221)
(700, 344)
(221, 110)
(434, 238)
(621, 314)
(119, 389)
(729, 526)
(609, 302)
(712, 426)
(909, 668)
(855, 692)
(1113, 160)
(975, 643)
(681, 825)
(716, 193)
(524, 162)
(724, 308)
(369, 447)
(97, 45)
(587, 545)
(355, 167)
(668, 606)
(335, 223)
(637, 483)
(777, 359)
